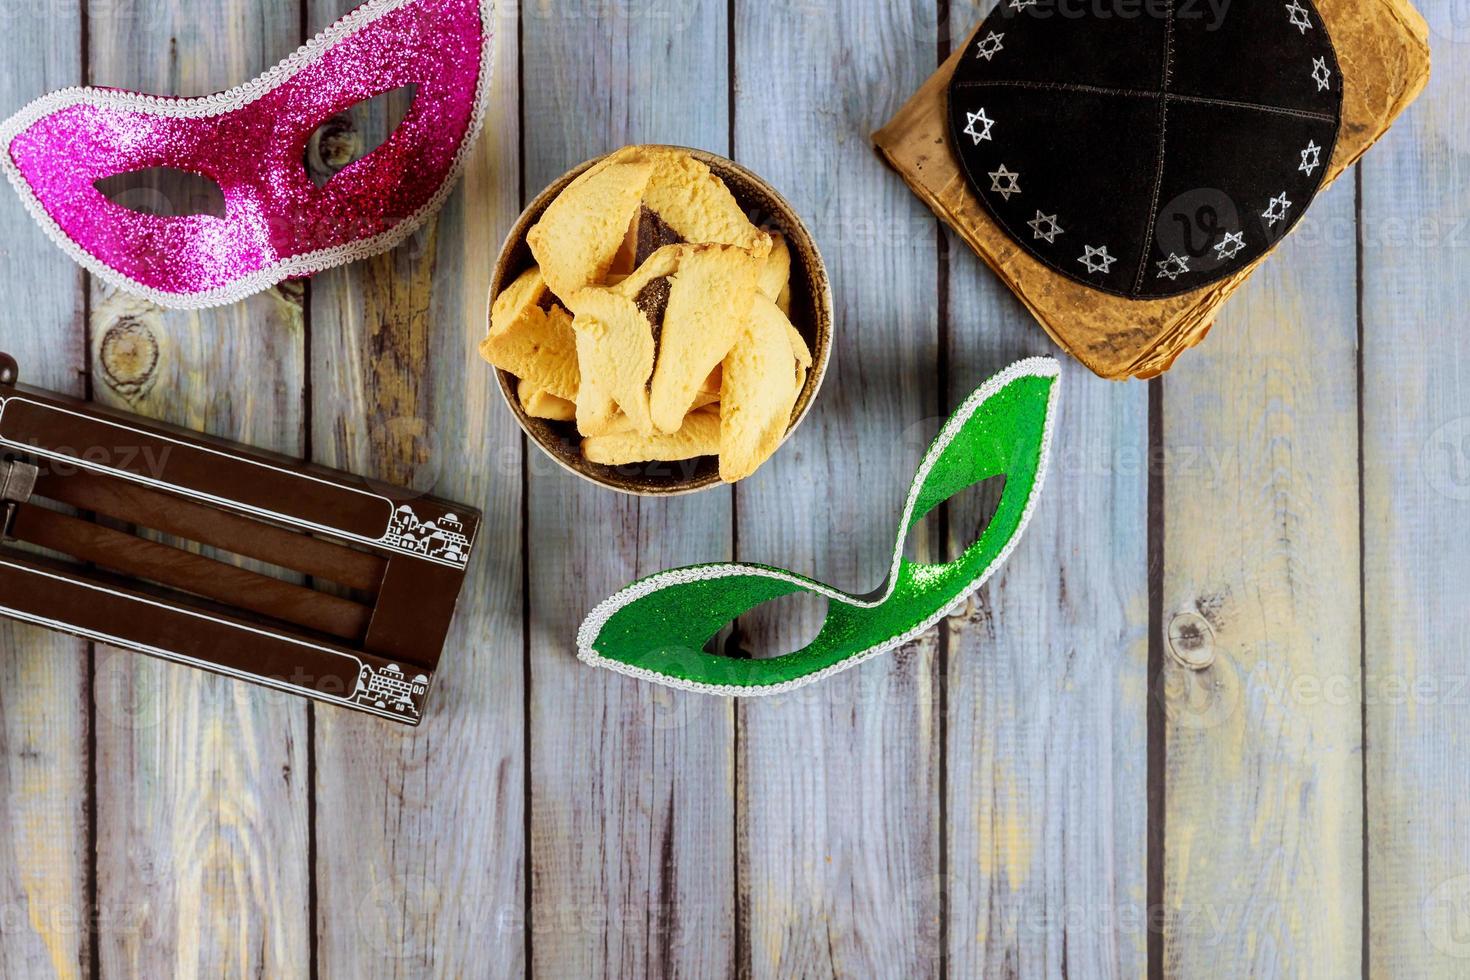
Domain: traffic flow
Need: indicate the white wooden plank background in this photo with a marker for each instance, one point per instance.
(46, 782)
(1035, 789)
(1416, 507)
(1260, 553)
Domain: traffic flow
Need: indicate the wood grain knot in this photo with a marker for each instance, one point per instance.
(355, 132)
(292, 292)
(334, 145)
(1192, 641)
(129, 355)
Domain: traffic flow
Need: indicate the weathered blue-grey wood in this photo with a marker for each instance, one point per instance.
(1263, 791)
(1416, 507)
(839, 790)
(202, 783)
(44, 683)
(631, 855)
(420, 834)
(665, 840)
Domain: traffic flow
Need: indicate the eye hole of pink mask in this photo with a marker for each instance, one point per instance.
(356, 134)
(277, 221)
(164, 192)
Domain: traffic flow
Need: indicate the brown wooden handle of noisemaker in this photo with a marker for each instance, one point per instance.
(190, 573)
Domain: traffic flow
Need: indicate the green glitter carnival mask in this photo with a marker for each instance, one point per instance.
(657, 629)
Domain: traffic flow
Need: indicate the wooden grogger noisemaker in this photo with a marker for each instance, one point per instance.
(129, 533)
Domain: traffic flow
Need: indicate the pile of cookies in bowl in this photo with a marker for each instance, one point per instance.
(650, 335)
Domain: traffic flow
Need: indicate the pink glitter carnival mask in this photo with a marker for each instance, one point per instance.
(251, 141)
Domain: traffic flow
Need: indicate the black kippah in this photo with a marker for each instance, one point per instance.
(1147, 147)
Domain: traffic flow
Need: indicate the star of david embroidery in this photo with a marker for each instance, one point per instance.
(1311, 158)
(1044, 226)
(1096, 259)
(1231, 245)
(1004, 182)
(1173, 267)
(1300, 19)
(979, 118)
(1277, 209)
(1321, 74)
(990, 46)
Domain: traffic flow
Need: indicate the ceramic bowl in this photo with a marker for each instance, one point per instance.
(811, 314)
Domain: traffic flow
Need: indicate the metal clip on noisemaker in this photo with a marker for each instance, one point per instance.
(386, 565)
